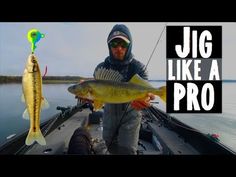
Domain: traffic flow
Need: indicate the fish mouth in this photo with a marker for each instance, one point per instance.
(71, 89)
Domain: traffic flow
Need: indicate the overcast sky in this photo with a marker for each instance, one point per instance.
(76, 48)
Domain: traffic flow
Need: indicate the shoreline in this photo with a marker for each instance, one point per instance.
(45, 80)
(68, 79)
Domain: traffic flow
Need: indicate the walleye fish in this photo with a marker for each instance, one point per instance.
(32, 96)
(108, 88)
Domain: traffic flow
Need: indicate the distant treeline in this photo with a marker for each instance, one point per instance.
(61, 79)
(46, 79)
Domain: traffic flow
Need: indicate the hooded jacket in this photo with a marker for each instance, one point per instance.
(122, 119)
(127, 67)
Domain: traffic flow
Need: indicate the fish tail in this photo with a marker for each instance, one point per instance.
(35, 136)
(161, 92)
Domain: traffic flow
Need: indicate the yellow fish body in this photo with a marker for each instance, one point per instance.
(32, 91)
(108, 88)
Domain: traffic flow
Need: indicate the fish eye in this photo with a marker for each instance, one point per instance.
(33, 34)
(33, 60)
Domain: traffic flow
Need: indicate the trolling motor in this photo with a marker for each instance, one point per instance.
(65, 111)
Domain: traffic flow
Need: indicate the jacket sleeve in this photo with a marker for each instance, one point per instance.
(139, 68)
(143, 73)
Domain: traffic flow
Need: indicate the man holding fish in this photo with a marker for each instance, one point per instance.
(120, 82)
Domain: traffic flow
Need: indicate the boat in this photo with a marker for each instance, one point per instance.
(78, 126)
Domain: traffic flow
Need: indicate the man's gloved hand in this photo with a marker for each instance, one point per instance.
(144, 103)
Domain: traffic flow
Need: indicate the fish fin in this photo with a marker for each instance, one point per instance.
(107, 74)
(35, 136)
(26, 115)
(161, 92)
(136, 79)
(23, 98)
(97, 105)
(44, 103)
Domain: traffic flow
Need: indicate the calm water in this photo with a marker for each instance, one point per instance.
(222, 124)
(11, 109)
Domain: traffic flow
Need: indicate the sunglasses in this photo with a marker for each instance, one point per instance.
(115, 44)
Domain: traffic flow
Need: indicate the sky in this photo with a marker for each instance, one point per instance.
(75, 49)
